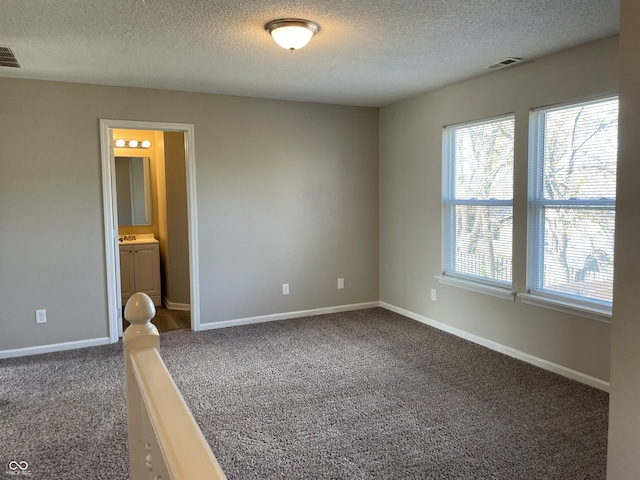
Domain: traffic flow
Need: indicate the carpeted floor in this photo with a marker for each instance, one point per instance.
(357, 395)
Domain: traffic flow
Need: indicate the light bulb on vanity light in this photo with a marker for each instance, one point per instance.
(133, 143)
(120, 142)
(145, 144)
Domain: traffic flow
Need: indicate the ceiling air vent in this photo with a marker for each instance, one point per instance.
(8, 58)
(503, 63)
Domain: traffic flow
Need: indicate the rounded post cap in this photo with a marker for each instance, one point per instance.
(139, 309)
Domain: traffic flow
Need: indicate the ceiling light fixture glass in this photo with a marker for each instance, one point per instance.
(292, 33)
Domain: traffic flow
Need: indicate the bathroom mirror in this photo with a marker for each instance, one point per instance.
(133, 190)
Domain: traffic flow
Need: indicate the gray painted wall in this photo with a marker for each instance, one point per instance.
(410, 205)
(287, 193)
(624, 422)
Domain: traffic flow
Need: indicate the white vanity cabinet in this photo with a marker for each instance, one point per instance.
(140, 270)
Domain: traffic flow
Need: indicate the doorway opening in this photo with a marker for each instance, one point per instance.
(169, 224)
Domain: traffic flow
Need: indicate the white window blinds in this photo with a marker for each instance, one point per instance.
(572, 201)
(478, 200)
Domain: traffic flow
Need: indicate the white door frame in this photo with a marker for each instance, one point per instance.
(111, 217)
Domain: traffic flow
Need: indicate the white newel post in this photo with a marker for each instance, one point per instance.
(140, 335)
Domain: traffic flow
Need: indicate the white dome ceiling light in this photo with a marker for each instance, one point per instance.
(292, 33)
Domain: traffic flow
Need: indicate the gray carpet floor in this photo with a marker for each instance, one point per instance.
(357, 395)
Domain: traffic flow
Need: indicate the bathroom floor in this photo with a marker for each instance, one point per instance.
(166, 320)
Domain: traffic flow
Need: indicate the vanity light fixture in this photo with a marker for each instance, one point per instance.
(292, 33)
(122, 143)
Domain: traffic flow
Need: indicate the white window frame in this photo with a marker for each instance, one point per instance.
(536, 295)
(449, 276)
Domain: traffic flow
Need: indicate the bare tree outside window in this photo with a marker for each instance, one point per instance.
(573, 200)
(479, 200)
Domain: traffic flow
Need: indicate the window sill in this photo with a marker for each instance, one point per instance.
(499, 292)
(593, 313)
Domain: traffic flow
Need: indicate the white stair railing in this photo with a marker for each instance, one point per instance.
(165, 442)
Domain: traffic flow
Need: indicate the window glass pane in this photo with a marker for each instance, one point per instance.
(483, 163)
(578, 252)
(580, 150)
(572, 223)
(478, 200)
(483, 241)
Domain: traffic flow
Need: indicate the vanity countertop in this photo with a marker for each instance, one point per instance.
(137, 239)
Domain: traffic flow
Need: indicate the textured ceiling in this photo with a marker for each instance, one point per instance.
(369, 53)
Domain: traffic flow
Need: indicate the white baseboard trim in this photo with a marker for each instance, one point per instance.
(53, 347)
(285, 316)
(498, 347)
(185, 307)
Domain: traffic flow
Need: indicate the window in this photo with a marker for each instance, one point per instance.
(572, 195)
(478, 201)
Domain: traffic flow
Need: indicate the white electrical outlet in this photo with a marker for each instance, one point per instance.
(41, 316)
(433, 294)
(340, 283)
(285, 289)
